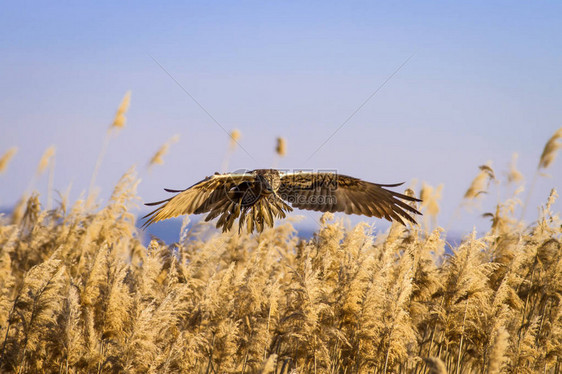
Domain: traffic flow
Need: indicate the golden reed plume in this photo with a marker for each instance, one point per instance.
(480, 184)
(235, 136)
(120, 119)
(547, 157)
(550, 149)
(158, 159)
(46, 159)
(514, 175)
(6, 158)
(281, 147)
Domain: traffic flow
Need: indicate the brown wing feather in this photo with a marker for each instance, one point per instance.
(330, 192)
(199, 198)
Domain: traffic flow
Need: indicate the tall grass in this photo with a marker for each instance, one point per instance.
(80, 293)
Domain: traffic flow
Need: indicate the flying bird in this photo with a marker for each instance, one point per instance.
(257, 197)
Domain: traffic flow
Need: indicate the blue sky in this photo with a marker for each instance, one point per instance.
(484, 80)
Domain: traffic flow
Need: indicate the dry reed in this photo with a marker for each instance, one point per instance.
(281, 147)
(158, 159)
(80, 293)
(118, 123)
(480, 183)
(120, 119)
(235, 136)
(6, 158)
(430, 197)
(514, 175)
(547, 157)
(550, 149)
(46, 159)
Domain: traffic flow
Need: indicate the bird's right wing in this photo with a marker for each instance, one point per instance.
(198, 198)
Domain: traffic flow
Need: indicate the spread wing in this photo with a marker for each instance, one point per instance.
(199, 198)
(331, 192)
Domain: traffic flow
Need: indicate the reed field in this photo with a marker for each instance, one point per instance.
(80, 293)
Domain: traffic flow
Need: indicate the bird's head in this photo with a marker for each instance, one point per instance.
(269, 180)
(266, 186)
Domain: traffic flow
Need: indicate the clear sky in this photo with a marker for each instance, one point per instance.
(484, 80)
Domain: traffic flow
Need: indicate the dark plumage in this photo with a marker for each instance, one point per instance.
(257, 197)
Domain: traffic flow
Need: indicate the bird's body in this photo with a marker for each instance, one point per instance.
(257, 197)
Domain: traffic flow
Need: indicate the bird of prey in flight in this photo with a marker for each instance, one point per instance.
(257, 197)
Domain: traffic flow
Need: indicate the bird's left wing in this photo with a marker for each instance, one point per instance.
(198, 198)
(332, 192)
